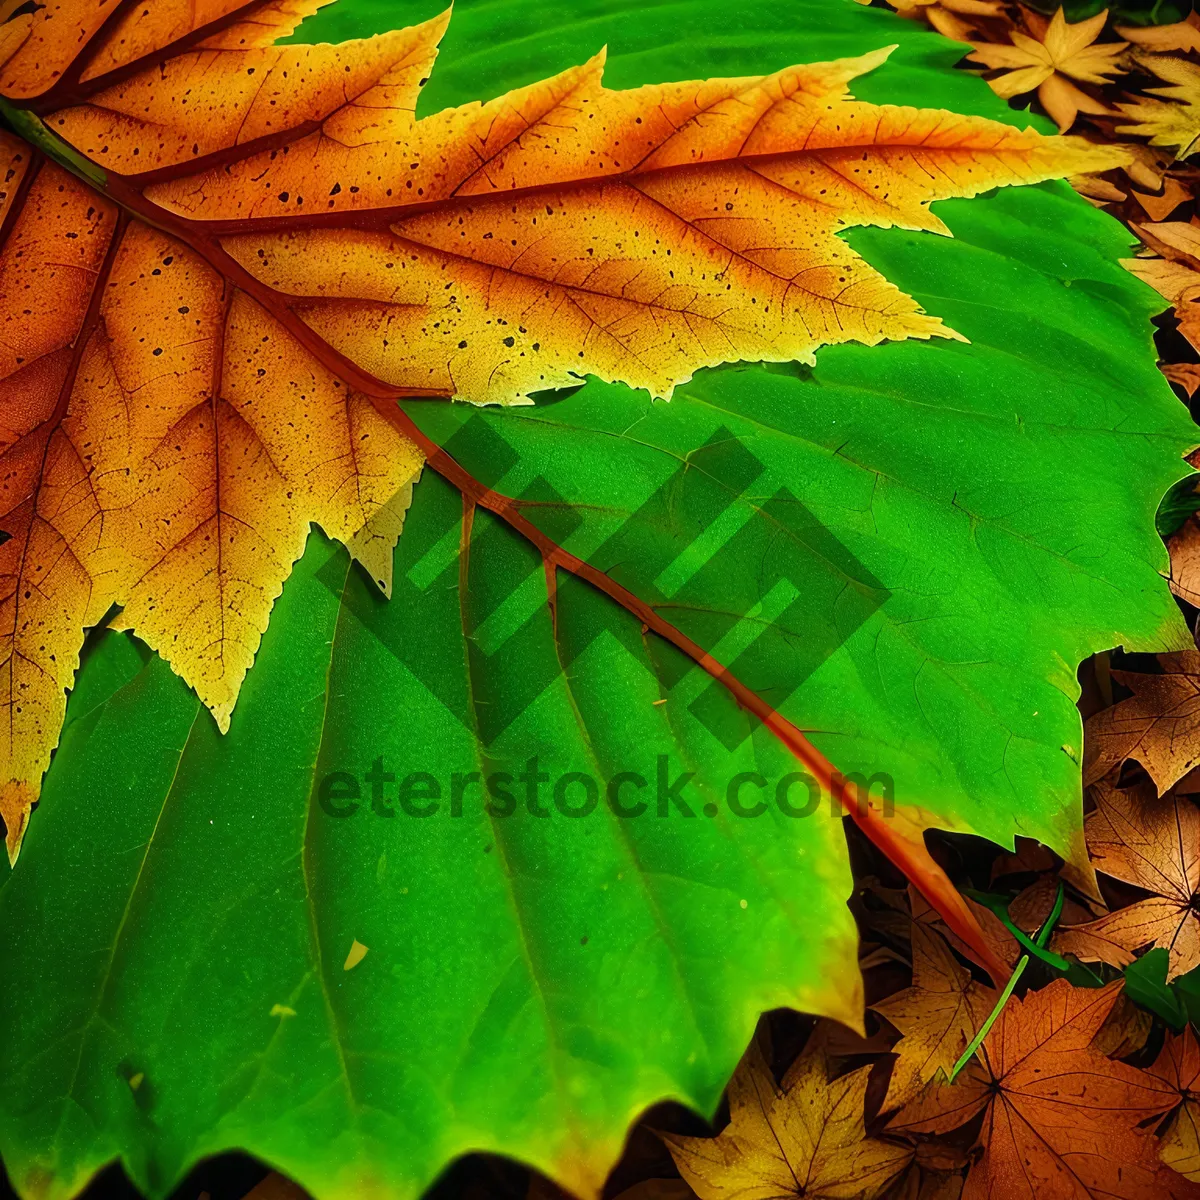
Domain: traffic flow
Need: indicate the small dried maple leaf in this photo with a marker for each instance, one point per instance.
(1097, 190)
(1056, 53)
(803, 1138)
(223, 260)
(1059, 1118)
(937, 1016)
(1146, 166)
(1178, 1065)
(1159, 725)
(1152, 842)
(1173, 121)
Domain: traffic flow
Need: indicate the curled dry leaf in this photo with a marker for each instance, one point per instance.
(267, 266)
(1146, 166)
(1059, 1118)
(1158, 726)
(1187, 376)
(1178, 1065)
(1159, 207)
(1173, 121)
(1184, 544)
(957, 19)
(1183, 36)
(1151, 842)
(804, 1138)
(1056, 54)
(1097, 190)
(937, 1016)
(1178, 241)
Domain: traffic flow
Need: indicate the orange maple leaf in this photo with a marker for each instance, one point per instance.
(1178, 1065)
(1153, 843)
(1052, 55)
(223, 260)
(1060, 1120)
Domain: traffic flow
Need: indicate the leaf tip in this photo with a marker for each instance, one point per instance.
(17, 799)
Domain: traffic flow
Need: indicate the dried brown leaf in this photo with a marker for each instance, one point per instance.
(1178, 1065)
(1159, 725)
(1060, 1120)
(1153, 843)
(804, 1138)
(937, 1016)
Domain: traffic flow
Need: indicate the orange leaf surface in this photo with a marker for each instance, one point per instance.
(1178, 1065)
(223, 260)
(1060, 1120)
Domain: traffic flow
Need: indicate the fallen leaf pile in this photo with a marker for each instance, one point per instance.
(1059, 1117)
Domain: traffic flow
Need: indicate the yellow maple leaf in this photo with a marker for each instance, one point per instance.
(937, 1016)
(805, 1137)
(1049, 61)
(224, 259)
(1174, 121)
